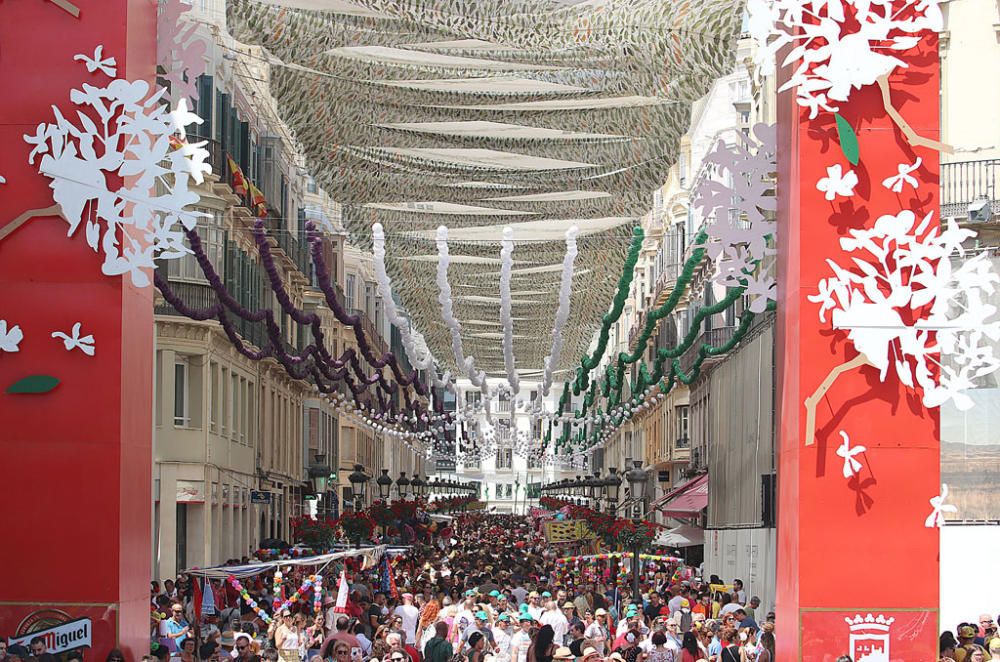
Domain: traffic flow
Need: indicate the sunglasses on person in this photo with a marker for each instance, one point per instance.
(343, 652)
(397, 658)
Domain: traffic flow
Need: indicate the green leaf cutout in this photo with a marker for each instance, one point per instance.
(34, 384)
(848, 140)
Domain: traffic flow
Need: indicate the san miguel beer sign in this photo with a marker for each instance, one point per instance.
(77, 633)
(63, 628)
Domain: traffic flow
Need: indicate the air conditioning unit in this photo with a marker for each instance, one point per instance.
(980, 211)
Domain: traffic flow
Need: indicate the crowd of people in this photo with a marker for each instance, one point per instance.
(487, 594)
(490, 593)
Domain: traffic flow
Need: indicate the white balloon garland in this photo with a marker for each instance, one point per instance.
(562, 314)
(468, 364)
(420, 361)
(506, 320)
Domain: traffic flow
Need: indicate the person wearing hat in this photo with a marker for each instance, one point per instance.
(520, 641)
(563, 654)
(966, 641)
(597, 632)
(501, 636)
(589, 654)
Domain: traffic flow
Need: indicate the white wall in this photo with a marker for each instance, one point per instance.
(747, 554)
(970, 573)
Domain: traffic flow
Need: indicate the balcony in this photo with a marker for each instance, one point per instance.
(714, 337)
(682, 442)
(965, 182)
(192, 294)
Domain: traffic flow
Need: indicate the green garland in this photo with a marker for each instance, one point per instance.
(588, 363)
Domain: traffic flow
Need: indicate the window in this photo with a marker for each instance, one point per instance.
(473, 398)
(224, 399)
(349, 292)
(370, 300)
(213, 397)
(181, 393)
(536, 430)
(234, 393)
(505, 458)
(683, 440)
(213, 239)
(311, 185)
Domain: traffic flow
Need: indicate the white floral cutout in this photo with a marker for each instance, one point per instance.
(10, 338)
(74, 341)
(838, 45)
(179, 50)
(135, 138)
(903, 176)
(936, 518)
(904, 271)
(107, 66)
(837, 182)
(736, 198)
(851, 465)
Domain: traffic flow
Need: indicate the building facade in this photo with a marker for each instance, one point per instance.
(228, 428)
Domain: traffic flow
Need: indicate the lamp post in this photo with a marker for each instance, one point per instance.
(418, 485)
(320, 478)
(403, 485)
(384, 483)
(637, 478)
(359, 484)
(613, 484)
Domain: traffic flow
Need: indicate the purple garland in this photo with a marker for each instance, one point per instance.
(323, 369)
(354, 321)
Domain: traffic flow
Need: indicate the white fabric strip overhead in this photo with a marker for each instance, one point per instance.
(468, 364)
(562, 314)
(424, 361)
(506, 264)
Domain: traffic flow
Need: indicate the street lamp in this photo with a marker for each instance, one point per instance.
(637, 478)
(418, 486)
(384, 485)
(403, 485)
(613, 484)
(359, 483)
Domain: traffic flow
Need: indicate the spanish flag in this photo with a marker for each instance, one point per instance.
(258, 200)
(239, 181)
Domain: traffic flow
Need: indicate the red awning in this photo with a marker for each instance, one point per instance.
(688, 500)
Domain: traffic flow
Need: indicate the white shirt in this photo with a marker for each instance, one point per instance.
(503, 643)
(536, 612)
(520, 642)
(675, 603)
(519, 594)
(740, 597)
(410, 616)
(558, 621)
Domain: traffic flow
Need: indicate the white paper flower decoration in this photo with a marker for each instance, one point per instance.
(837, 182)
(107, 66)
(903, 176)
(123, 133)
(848, 453)
(737, 199)
(73, 340)
(936, 518)
(10, 338)
(908, 295)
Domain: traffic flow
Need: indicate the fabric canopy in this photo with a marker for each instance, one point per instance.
(688, 500)
(681, 536)
(536, 114)
(371, 556)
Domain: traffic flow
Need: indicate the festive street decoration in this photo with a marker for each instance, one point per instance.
(936, 519)
(738, 201)
(903, 177)
(506, 318)
(841, 46)
(906, 303)
(420, 361)
(562, 313)
(837, 182)
(248, 599)
(848, 453)
(10, 338)
(131, 140)
(74, 341)
(180, 54)
(33, 385)
(356, 525)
